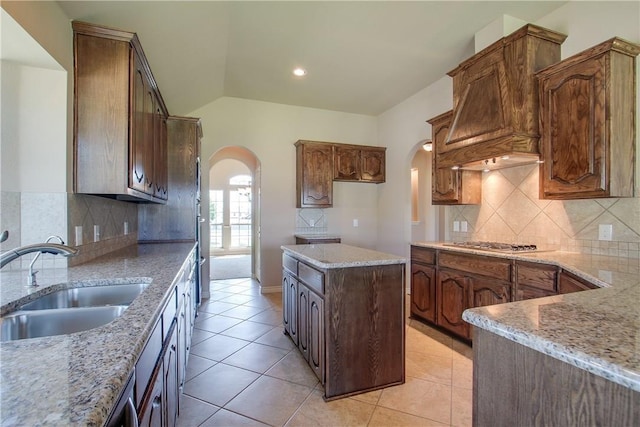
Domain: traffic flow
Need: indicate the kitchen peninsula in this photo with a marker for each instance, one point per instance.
(568, 359)
(76, 379)
(343, 307)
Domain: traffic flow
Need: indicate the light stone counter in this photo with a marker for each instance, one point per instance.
(596, 330)
(337, 255)
(76, 379)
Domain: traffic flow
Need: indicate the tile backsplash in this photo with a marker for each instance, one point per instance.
(311, 221)
(32, 217)
(512, 212)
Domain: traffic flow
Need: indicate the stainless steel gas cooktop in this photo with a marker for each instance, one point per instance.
(496, 246)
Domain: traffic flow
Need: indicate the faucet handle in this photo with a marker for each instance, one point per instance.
(32, 278)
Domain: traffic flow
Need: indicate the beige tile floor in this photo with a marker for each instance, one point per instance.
(244, 371)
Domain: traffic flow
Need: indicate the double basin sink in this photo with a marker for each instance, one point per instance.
(69, 310)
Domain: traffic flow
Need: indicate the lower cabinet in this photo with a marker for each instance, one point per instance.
(423, 291)
(452, 296)
(161, 368)
(329, 314)
(445, 283)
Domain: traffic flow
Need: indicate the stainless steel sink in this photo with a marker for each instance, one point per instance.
(93, 296)
(41, 323)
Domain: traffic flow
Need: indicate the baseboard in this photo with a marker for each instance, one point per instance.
(270, 289)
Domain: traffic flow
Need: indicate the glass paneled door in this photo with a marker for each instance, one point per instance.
(230, 216)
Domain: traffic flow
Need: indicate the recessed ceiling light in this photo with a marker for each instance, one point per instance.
(299, 72)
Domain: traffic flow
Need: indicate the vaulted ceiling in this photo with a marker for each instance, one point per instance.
(361, 56)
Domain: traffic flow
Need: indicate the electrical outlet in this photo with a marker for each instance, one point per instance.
(456, 225)
(605, 232)
(355, 222)
(463, 226)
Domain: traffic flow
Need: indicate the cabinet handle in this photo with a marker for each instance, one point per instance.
(130, 414)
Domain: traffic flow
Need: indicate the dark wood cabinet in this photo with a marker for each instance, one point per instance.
(358, 163)
(423, 283)
(120, 118)
(290, 298)
(587, 123)
(451, 187)
(151, 413)
(177, 219)
(316, 334)
(489, 292)
(314, 175)
(302, 305)
(535, 280)
(332, 311)
(171, 386)
(452, 299)
(568, 283)
(495, 103)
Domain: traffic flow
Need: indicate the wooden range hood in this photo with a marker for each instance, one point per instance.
(495, 102)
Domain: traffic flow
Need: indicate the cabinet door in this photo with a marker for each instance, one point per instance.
(314, 166)
(452, 300)
(316, 335)
(423, 292)
(149, 138)
(489, 292)
(171, 385)
(568, 283)
(289, 309)
(372, 167)
(535, 280)
(137, 146)
(450, 187)
(151, 413)
(574, 139)
(159, 154)
(346, 163)
(303, 320)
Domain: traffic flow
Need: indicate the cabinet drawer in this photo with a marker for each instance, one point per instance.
(497, 268)
(540, 276)
(290, 264)
(424, 255)
(311, 277)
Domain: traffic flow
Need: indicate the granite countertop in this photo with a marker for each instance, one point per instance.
(76, 379)
(595, 330)
(337, 255)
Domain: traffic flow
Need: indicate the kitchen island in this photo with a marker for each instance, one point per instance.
(344, 308)
(571, 359)
(76, 379)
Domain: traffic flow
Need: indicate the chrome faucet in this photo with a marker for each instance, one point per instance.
(47, 248)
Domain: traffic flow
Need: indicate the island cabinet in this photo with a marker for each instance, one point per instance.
(120, 138)
(587, 123)
(349, 319)
(451, 187)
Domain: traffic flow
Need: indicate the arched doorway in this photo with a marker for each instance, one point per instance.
(234, 219)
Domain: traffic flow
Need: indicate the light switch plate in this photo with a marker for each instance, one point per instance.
(355, 222)
(456, 225)
(463, 226)
(605, 232)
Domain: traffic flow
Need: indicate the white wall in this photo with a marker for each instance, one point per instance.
(269, 131)
(33, 139)
(585, 23)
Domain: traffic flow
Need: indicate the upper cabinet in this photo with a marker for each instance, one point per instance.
(587, 123)
(358, 163)
(314, 174)
(451, 187)
(318, 164)
(120, 137)
(495, 103)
